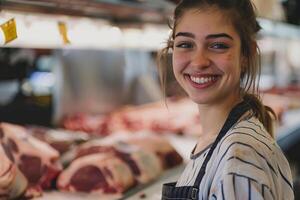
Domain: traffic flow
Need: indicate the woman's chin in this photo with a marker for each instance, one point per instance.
(201, 100)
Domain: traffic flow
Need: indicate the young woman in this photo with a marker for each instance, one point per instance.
(215, 60)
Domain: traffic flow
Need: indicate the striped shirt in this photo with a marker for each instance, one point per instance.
(246, 164)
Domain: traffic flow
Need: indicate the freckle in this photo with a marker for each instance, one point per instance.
(229, 56)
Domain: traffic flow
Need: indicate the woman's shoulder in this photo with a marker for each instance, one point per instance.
(248, 149)
(249, 141)
(250, 134)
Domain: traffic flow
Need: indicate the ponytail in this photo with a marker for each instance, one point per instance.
(265, 114)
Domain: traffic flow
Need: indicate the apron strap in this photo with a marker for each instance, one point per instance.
(234, 115)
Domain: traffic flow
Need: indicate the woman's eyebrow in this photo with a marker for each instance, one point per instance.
(210, 36)
(185, 34)
(218, 35)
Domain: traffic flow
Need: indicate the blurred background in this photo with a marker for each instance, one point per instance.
(75, 63)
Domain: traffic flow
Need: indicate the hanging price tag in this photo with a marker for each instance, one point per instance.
(10, 30)
(63, 32)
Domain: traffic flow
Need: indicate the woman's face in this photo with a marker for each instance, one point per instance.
(207, 56)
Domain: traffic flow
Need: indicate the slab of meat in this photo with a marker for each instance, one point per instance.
(181, 117)
(93, 124)
(145, 165)
(97, 173)
(168, 156)
(145, 155)
(12, 182)
(59, 139)
(118, 162)
(35, 159)
(145, 141)
(282, 99)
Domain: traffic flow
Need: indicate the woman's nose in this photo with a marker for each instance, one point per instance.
(200, 59)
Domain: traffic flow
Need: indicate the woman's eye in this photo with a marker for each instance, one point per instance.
(219, 46)
(184, 45)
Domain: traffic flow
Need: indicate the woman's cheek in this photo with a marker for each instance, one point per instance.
(179, 62)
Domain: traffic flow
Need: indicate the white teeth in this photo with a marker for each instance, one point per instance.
(203, 80)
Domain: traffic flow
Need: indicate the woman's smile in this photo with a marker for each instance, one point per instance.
(202, 81)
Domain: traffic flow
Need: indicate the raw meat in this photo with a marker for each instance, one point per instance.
(59, 139)
(96, 173)
(12, 182)
(145, 165)
(117, 163)
(168, 156)
(35, 159)
(180, 117)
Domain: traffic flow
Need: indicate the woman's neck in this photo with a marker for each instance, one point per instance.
(213, 117)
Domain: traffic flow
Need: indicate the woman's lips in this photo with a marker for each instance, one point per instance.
(202, 81)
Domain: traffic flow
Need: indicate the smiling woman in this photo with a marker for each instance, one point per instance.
(199, 43)
(215, 60)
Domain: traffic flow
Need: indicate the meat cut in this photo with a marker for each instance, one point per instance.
(96, 173)
(179, 117)
(12, 181)
(137, 159)
(60, 139)
(29, 157)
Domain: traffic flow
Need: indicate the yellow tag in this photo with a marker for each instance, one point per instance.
(10, 30)
(63, 32)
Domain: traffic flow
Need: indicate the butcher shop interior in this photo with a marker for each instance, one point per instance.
(82, 111)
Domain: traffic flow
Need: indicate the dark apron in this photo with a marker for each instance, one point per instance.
(171, 192)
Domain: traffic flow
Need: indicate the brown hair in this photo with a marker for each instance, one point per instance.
(242, 16)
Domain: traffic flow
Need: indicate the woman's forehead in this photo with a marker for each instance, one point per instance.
(205, 20)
